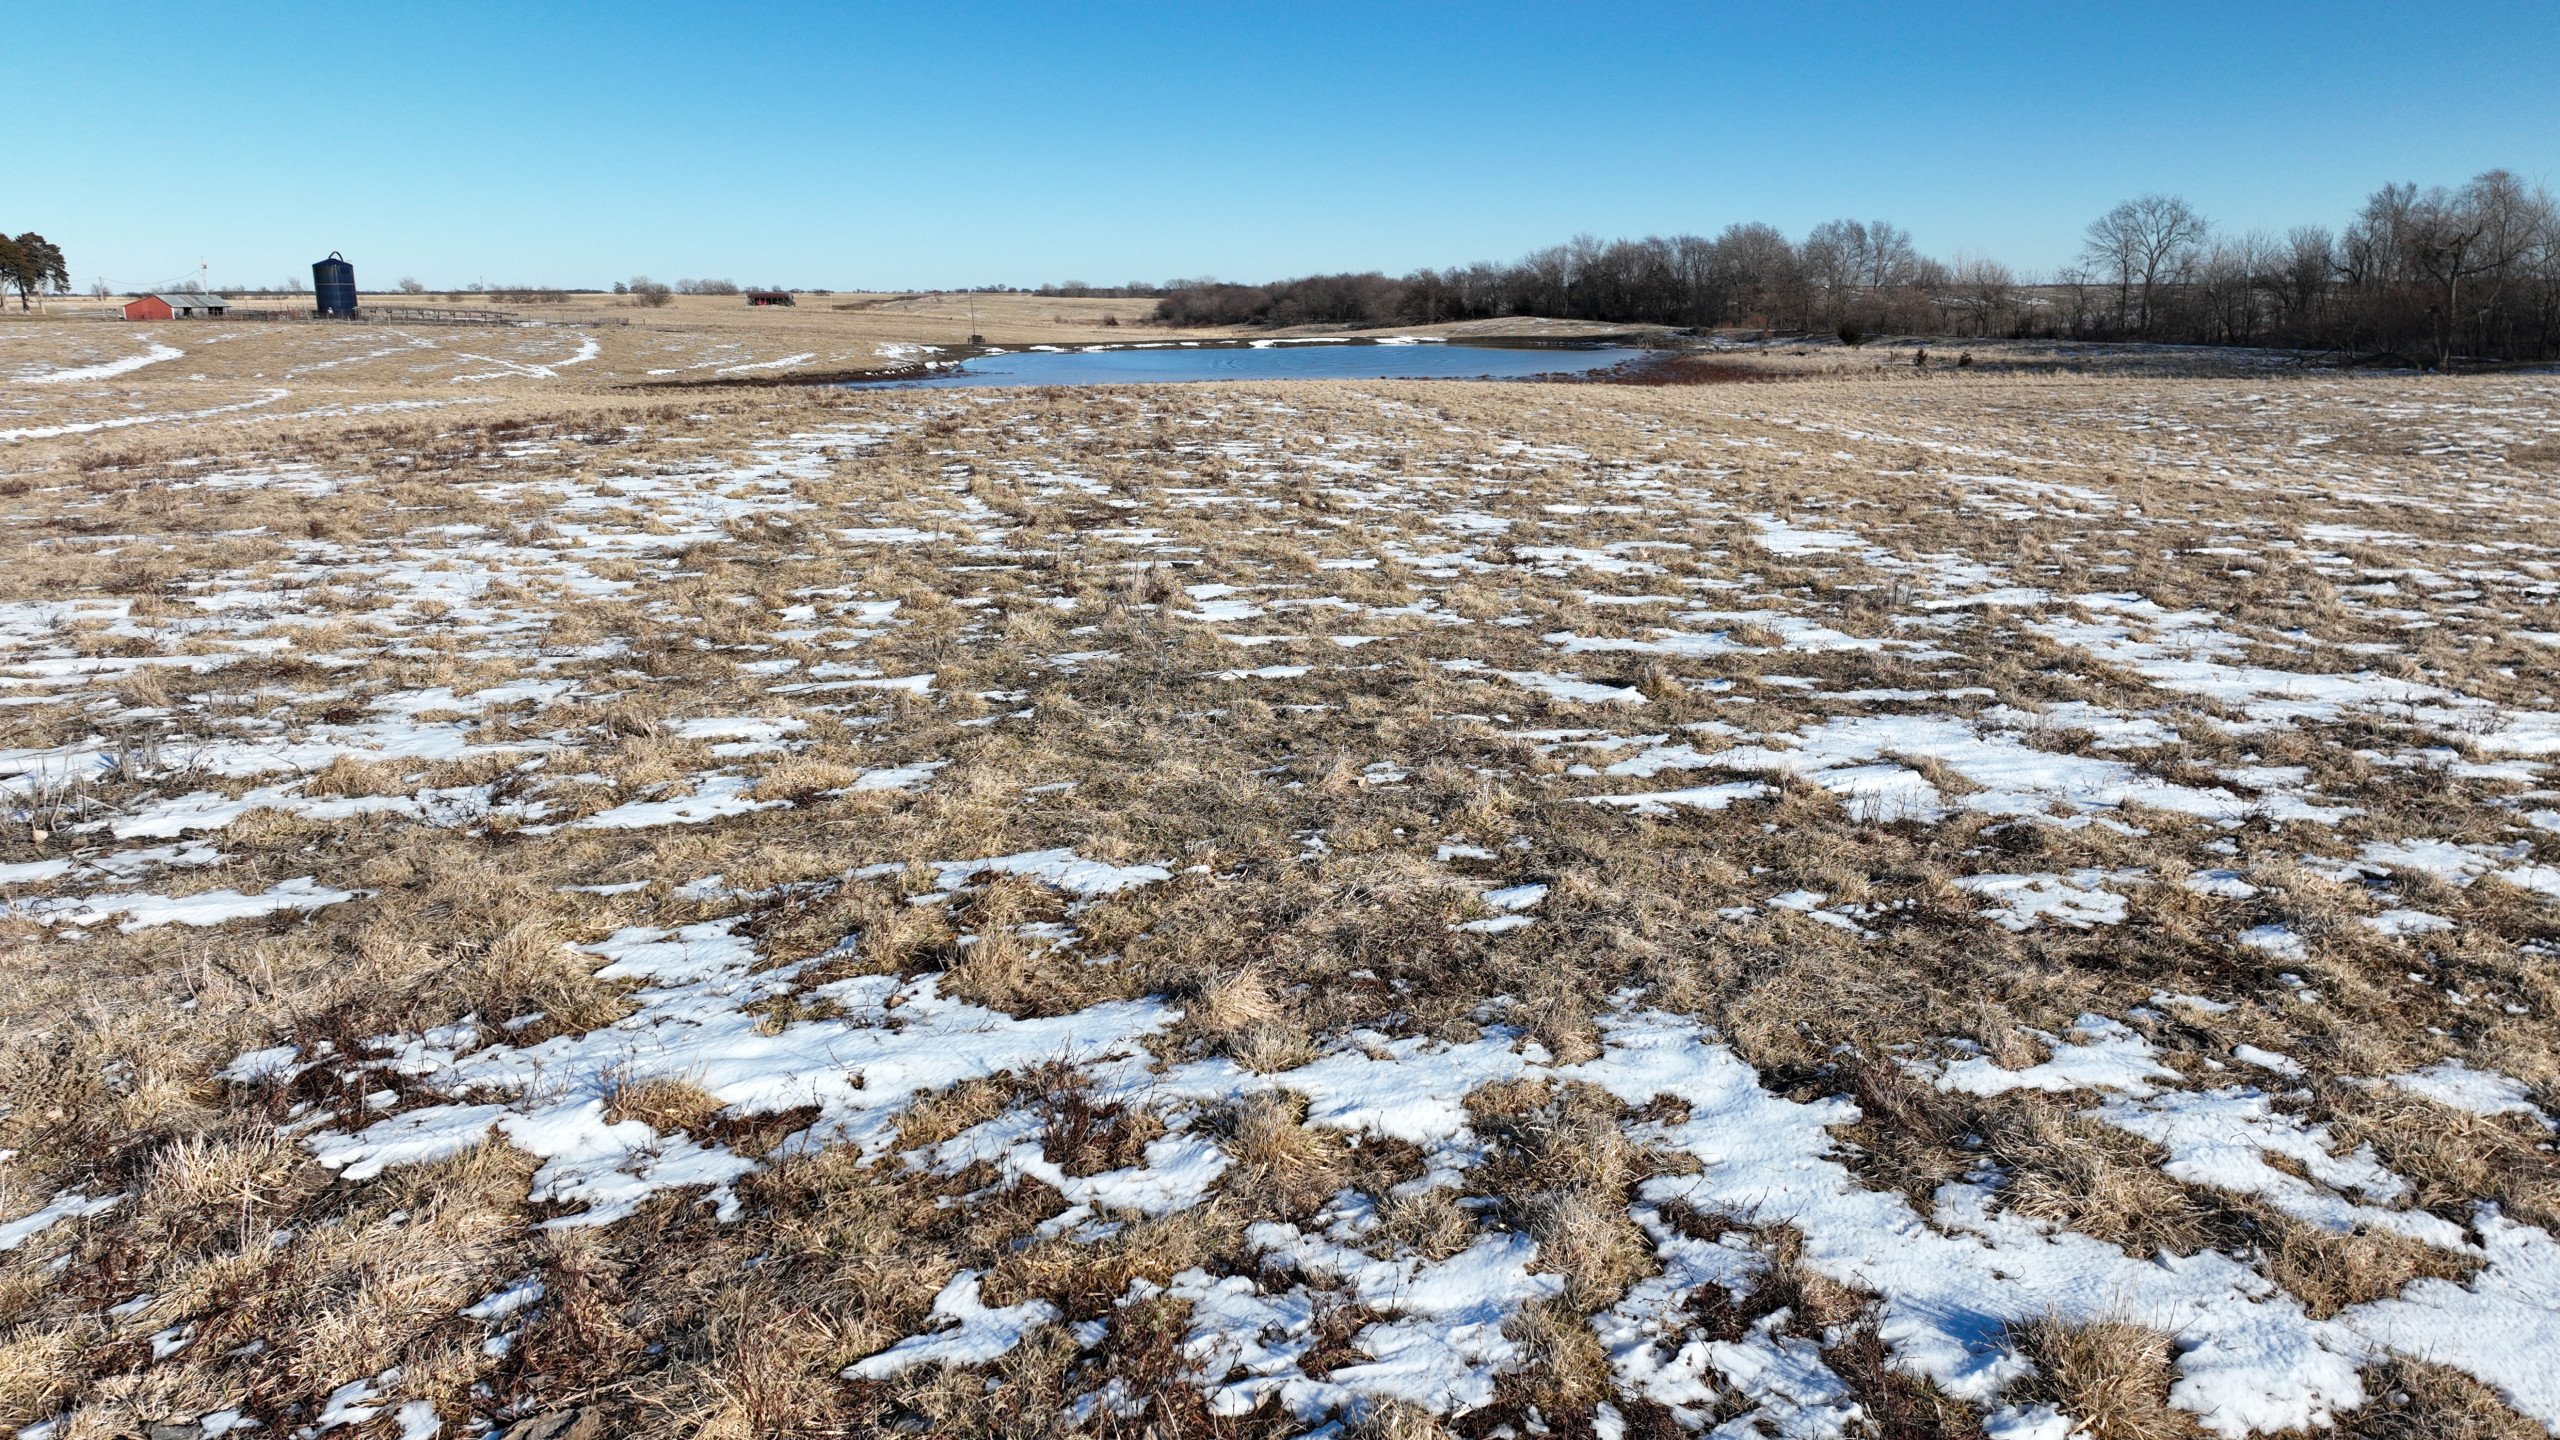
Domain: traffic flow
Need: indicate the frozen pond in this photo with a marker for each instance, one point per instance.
(1159, 364)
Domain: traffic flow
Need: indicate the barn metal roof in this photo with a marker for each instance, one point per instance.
(181, 302)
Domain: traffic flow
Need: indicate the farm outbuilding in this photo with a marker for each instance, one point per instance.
(768, 297)
(333, 286)
(175, 307)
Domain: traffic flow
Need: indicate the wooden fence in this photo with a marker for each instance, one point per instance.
(420, 315)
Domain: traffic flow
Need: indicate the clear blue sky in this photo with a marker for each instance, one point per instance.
(943, 144)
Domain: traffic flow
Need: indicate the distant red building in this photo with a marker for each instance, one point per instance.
(175, 307)
(768, 297)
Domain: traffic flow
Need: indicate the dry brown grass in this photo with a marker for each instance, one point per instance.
(2112, 1376)
(662, 1103)
(1276, 948)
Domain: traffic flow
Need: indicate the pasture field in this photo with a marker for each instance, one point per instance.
(692, 339)
(1980, 903)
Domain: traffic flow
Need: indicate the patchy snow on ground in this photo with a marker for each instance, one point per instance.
(1045, 813)
(2021, 902)
(107, 369)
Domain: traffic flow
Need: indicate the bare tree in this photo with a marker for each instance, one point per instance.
(2513, 221)
(1888, 259)
(1851, 266)
(1983, 292)
(2538, 302)
(2303, 277)
(2145, 243)
(2474, 233)
(1833, 259)
(2078, 288)
(1693, 259)
(1757, 268)
(2444, 244)
(2229, 278)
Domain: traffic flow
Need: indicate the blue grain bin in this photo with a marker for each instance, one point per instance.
(334, 281)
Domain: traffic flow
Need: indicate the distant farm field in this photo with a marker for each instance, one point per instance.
(1894, 901)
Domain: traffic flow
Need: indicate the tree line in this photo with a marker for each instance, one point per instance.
(2427, 275)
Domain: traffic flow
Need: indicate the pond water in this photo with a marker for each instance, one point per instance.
(1153, 365)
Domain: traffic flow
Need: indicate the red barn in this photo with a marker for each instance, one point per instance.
(175, 307)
